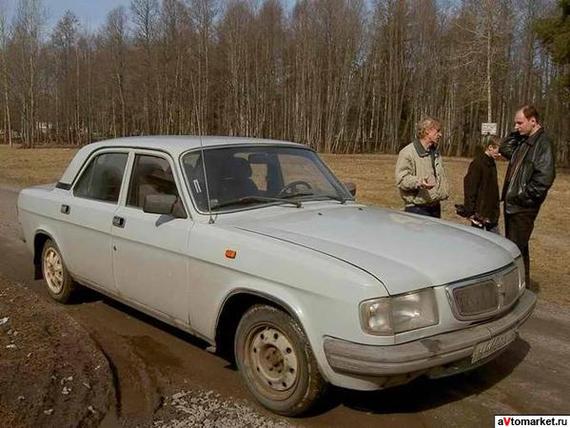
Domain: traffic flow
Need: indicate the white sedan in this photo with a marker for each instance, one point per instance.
(256, 247)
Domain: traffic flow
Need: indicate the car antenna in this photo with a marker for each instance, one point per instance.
(203, 156)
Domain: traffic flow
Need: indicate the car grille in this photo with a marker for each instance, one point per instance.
(485, 296)
(510, 287)
(477, 298)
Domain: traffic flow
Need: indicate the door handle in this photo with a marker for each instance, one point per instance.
(119, 221)
(65, 209)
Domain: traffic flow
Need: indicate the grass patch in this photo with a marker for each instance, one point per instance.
(23, 167)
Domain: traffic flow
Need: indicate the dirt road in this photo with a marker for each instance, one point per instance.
(165, 377)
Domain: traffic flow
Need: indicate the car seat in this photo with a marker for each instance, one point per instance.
(109, 184)
(236, 179)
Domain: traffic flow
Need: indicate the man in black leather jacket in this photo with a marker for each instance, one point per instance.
(529, 176)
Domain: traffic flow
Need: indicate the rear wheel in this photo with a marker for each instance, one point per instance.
(276, 361)
(59, 283)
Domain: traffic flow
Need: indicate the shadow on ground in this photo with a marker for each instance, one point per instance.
(90, 296)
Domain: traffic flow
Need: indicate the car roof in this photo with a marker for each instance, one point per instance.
(174, 145)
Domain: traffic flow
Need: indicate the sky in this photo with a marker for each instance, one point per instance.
(91, 13)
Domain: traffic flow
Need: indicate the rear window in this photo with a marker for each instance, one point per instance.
(102, 178)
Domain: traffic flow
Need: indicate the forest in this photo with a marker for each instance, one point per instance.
(342, 76)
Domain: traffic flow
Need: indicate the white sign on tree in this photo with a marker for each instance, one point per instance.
(488, 128)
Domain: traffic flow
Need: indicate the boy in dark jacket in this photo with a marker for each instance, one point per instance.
(481, 188)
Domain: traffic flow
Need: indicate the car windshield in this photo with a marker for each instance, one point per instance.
(253, 176)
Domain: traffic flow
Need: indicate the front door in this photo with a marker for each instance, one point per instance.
(150, 250)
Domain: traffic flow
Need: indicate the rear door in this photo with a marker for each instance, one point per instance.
(150, 250)
(88, 213)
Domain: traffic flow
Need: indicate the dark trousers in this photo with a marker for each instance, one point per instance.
(518, 228)
(429, 210)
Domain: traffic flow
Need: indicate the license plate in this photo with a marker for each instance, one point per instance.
(484, 349)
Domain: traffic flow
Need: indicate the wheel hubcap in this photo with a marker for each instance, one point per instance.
(273, 359)
(53, 271)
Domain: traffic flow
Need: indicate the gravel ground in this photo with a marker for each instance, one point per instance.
(208, 409)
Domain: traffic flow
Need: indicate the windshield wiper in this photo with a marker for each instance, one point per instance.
(252, 199)
(341, 199)
(293, 195)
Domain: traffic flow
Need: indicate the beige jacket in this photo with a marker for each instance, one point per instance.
(415, 163)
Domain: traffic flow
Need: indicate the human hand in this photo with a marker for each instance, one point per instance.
(516, 136)
(427, 182)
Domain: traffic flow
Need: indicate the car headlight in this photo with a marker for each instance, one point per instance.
(519, 263)
(390, 315)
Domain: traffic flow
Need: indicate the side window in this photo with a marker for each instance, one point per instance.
(102, 178)
(151, 175)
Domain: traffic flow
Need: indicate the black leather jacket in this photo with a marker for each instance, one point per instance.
(530, 173)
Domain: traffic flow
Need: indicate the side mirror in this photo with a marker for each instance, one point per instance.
(351, 187)
(163, 204)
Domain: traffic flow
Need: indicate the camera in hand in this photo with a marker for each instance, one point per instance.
(478, 219)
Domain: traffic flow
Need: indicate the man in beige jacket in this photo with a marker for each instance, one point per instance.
(420, 175)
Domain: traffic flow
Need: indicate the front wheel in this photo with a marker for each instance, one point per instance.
(59, 283)
(276, 362)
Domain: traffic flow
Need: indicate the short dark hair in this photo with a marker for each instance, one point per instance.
(530, 111)
(490, 140)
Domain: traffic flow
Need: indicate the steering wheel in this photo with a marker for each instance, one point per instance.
(291, 188)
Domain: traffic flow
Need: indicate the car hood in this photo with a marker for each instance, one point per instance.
(405, 252)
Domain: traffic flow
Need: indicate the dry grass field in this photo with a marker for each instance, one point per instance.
(20, 167)
(374, 178)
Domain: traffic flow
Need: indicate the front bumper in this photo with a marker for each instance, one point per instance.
(437, 355)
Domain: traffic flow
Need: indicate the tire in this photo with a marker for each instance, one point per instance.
(276, 362)
(59, 283)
